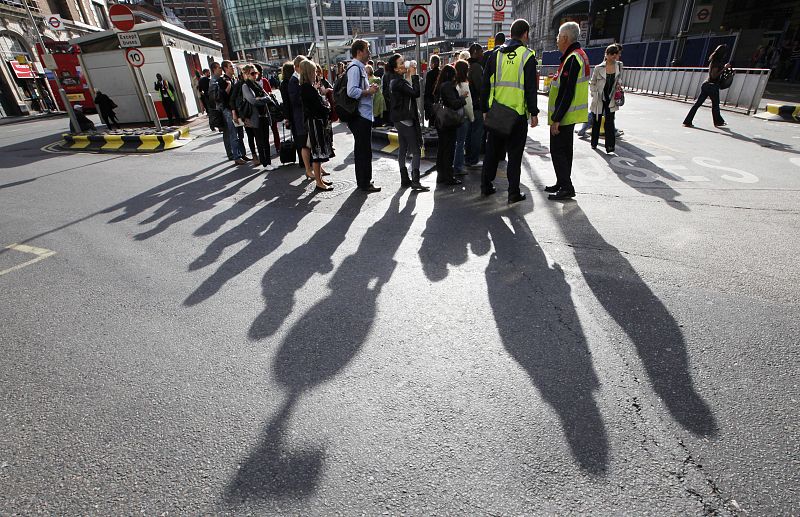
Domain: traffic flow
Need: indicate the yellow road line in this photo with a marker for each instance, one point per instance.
(40, 253)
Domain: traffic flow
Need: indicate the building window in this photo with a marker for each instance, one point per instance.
(100, 14)
(334, 27)
(12, 46)
(356, 9)
(383, 9)
(357, 26)
(387, 26)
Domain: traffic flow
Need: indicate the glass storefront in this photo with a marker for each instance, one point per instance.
(255, 24)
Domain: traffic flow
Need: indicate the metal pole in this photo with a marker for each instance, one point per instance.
(63, 94)
(684, 30)
(148, 95)
(419, 70)
(325, 35)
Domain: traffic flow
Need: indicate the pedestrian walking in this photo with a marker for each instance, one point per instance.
(475, 132)
(710, 88)
(378, 102)
(361, 123)
(603, 86)
(568, 102)
(446, 92)
(225, 78)
(167, 92)
(258, 119)
(316, 117)
(509, 97)
(405, 90)
(106, 107)
(430, 82)
(462, 86)
(297, 122)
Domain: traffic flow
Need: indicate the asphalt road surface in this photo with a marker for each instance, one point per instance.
(181, 336)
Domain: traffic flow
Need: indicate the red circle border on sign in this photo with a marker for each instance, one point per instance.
(501, 9)
(128, 52)
(427, 27)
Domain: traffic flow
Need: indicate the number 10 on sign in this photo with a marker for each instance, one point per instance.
(419, 20)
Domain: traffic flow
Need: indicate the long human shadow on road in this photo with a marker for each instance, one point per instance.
(646, 178)
(533, 312)
(198, 182)
(292, 270)
(642, 316)
(263, 231)
(314, 351)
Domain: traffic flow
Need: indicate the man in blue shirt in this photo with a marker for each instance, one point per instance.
(361, 126)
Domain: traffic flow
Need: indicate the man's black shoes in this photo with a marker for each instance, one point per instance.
(552, 189)
(515, 198)
(488, 191)
(562, 194)
(371, 188)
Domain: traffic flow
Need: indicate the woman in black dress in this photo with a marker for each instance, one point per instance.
(316, 115)
(445, 90)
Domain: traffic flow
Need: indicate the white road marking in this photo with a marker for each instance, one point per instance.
(40, 253)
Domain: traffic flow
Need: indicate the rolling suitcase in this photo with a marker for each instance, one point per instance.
(288, 152)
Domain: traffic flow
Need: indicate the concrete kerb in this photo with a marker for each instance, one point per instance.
(781, 113)
(385, 140)
(140, 140)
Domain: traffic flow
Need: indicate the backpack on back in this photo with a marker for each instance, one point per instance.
(346, 106)
(213, 92)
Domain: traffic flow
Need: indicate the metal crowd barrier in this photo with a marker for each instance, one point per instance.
(683, 84)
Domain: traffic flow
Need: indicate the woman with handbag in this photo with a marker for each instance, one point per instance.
(603, 87)
(462, 85)
(710, 88)
(405, 90)
(259, 121)
(316, 115)
(449, 115)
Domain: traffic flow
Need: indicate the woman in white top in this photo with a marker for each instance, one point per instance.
(603, 85)
(462, 86)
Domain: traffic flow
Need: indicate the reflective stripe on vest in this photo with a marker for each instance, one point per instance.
(578, 110)
(508, 82)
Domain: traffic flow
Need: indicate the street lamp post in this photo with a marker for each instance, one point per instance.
(684, 30)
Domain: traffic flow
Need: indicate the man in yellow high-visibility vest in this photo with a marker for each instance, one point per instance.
(568, 104)
(509, 80)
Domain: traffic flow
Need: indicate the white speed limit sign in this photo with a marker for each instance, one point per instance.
(498, 5)
(134, 57)
(419, 20)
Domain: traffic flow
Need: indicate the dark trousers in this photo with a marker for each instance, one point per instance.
(276, 135)
(561, 154)
(362, 135)
(171, 110)
(707, 90)
(262, 141)
(611, 137)
(445, 152)
(496, 148)
(251, 139)
(240, 140)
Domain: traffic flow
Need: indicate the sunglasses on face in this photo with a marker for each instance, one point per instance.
(253, 73)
